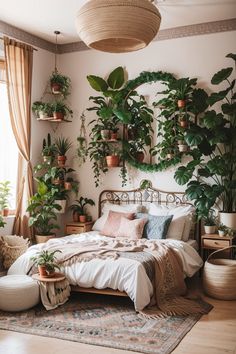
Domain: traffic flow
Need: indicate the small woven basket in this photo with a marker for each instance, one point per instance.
(219, 277)
(12, 247)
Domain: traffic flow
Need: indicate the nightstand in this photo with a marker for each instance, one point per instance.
(213, 242)
(78, 227)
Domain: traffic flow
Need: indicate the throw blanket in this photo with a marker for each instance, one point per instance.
(169, 281)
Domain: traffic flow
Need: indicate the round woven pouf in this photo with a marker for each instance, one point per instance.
(18, 293)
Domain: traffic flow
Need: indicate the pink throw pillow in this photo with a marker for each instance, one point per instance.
(132, 229)
(113, 222)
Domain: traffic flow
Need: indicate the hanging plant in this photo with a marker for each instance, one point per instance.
(60, 84)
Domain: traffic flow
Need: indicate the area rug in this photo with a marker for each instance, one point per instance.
(102, 320)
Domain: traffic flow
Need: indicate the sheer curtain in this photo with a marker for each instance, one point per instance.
(19, 61)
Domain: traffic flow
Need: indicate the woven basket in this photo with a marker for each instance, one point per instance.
(118, 26)
(219, 277)
(12, 247)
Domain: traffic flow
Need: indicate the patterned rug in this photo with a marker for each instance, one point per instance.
(104, 321)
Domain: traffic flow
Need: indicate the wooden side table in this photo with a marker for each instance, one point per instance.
(78, 227)
(213, 242)
(54, 291)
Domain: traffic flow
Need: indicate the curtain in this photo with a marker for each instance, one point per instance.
(2, 71)
(19, 62)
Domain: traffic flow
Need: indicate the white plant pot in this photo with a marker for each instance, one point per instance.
(221, 233)
(183, 148)
(228, 219)
(209, 229)
(62, 203)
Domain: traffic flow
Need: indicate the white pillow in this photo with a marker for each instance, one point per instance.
(124, 208)
(182, 219)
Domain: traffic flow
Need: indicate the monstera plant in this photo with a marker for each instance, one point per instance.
(211, 175)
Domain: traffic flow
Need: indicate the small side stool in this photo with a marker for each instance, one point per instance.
(18, 293)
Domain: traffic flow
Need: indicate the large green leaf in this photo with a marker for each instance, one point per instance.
(123, 115)
(97, 83)
(183, 175)
(116, 78)
(212, 120)
(221, 76)
(232, 56)
(217, 166)
(42, 188)
(199, 98)
(106, 112)
(194, 137)
(229, 109)
(219, 96)
(205, 147)
(194, 190)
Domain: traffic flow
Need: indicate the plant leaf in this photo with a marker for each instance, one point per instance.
(123, 115)
(183, 175)
(221, 76)
(116, 78)
(232, 56)
(97, 83)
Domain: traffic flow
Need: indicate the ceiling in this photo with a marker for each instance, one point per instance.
(43, 17)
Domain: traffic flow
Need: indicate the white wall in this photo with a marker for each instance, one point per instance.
(199, 56)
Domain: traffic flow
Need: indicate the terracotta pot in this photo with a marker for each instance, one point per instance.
(140, 156)
(68, 186)
(112, 161)
(181, 103)
(56, 88)
(61, 160)
(183, 123)
(42, 271)
(82, 218)
(5, 212)
(58, 115)
(114, 136)
(105, 134)
(43, 238)
(75, 216)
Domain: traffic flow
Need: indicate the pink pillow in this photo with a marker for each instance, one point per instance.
(132, 229)
(113, 222)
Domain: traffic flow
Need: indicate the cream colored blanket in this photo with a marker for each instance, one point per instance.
(169, 281)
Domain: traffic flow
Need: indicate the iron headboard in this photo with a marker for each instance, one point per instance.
(144, 195)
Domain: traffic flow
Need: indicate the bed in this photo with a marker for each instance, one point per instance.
(125, 276)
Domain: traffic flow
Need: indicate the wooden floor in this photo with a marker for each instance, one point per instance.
(215, 333)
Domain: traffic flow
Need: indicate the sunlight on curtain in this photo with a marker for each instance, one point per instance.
(8, 147)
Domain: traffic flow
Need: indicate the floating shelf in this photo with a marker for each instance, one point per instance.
(109, 141)
(52, 120)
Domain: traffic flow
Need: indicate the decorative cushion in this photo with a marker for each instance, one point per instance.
(180, 213)
(112, 223)
(18, 293)
(156, 227)
(124, 208)
(132, 229)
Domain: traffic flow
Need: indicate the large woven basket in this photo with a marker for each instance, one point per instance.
(219, 277)
(12, 247)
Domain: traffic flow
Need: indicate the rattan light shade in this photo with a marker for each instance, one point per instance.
(118, 26)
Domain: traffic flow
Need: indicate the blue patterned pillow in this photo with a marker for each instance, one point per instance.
(156, 227)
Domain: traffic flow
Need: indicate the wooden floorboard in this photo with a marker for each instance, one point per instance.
(215, 333)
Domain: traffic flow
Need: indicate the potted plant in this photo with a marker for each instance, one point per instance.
(49, 150)
(210, 222)
(214, 181)
(113, 157)
(183, 90)
(78, 209)
(5, 193)
(63, 145)
(222, 230)
(37, 107)
(42, 208)
(60, 110)
(60, 84)
(46, 262)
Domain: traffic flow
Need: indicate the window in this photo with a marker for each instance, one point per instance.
(8, 147)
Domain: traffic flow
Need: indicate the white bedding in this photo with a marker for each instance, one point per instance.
(122, 274)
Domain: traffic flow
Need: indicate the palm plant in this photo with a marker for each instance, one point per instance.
(46, 259)
(62, 145)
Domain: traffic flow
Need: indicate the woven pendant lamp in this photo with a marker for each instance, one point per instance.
(118, 26)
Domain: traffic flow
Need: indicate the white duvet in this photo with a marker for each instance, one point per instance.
(121, 274)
